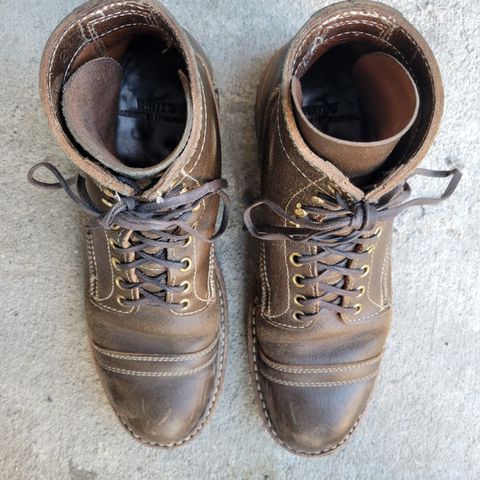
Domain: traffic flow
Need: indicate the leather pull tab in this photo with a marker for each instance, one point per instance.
(390, 102)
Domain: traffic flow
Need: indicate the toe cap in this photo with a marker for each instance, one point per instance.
(314, 410)
(162, 400)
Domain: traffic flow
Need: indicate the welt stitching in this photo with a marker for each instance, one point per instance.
(140, 373)
(318, 384)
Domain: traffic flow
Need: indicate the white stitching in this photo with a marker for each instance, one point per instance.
(264, 407)
(418, 50)
(139, 373)
(311, 51)
(155, 358)
(111, 309)
(385, 293)
(92, 291)
(319, 384)
(215, 393)
(111, 270)
(346, 368)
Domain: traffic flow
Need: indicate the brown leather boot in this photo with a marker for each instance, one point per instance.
(345, 113)
(130, 98)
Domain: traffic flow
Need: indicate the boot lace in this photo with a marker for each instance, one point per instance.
(154, 226)
(341, 232)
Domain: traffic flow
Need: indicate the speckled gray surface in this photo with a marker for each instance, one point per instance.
(55, 423)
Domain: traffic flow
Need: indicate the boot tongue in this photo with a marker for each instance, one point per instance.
(389, 101)
(90, 108)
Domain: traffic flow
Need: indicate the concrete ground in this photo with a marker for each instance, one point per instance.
(55, 422)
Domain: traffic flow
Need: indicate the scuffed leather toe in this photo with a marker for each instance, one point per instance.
(163, 400)
(313, 410)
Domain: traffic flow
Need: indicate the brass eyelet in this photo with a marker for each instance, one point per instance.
(297, 316)
(187, 261)
(118, 283)
(197, 207)
(188, 241)
(299, 211)
(378, 232)
(108, 192)
(115, 263)
(120, 300)
(298, 299)
(369, 249)
(187, 286)
(296, 279)
(361, 291)
(317, 200)
(185, 302)
(365, 270)
(292, 259)
(115, 227)
(112, 242)
(107, 203)
(358, 308)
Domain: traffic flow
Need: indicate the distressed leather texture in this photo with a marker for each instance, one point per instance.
(315, 376)
(161, 368)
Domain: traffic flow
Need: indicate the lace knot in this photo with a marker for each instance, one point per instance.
(365, 217)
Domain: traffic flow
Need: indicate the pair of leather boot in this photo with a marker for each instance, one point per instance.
(345, 113)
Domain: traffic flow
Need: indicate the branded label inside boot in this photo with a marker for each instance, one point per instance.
(330, 99)
(152, 106)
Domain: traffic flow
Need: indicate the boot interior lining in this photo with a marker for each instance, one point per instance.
(401, 47)
(152, 107)
(330, 98)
